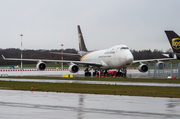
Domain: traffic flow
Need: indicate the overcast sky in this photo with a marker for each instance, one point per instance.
(46, 24)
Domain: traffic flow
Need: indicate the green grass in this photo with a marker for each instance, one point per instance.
(173, 92)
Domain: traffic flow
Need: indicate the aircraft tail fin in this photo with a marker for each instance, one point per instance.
(82, 46)
(174, 40)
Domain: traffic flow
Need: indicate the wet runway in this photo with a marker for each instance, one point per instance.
(94, 82)
(130, 73)
(46, 105)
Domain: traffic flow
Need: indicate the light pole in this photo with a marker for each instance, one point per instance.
(62, 57)
(21, 54)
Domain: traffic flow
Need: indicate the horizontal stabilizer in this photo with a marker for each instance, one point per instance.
(173, 55)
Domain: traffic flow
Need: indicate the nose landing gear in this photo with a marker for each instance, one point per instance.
(122, 72)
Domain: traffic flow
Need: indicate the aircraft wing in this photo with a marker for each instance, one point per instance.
(57, 61)
(155, 60)
(68, 54)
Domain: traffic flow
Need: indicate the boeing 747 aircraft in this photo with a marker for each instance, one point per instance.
(118, 57)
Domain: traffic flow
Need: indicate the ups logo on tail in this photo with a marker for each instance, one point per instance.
(176, 43)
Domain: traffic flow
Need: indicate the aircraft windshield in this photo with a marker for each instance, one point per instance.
(124, 48)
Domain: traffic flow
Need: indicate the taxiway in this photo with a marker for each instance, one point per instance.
(130, 73)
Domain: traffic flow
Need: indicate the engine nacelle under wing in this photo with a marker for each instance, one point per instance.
(160, 65)
(143, 68)
(41, 66)
(73, 68)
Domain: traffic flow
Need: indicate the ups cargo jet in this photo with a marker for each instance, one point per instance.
(118, 57)
(174, 40)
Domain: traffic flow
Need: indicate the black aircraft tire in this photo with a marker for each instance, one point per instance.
(89, 74)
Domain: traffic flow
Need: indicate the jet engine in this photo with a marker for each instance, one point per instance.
(143, 68)
(73, 68)
(160, 65)
(41, 66)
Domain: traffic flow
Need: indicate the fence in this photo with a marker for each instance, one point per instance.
(168, 70)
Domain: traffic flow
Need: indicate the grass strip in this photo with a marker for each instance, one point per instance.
(151, 91)
(152, 80)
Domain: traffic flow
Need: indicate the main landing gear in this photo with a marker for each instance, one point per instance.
(96, 73)
(87, 72)
(120, 73)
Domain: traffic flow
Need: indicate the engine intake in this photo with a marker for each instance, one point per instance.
(41, 66)
(143, 68)
(160, 65)
(73, 68)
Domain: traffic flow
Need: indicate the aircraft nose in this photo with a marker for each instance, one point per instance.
(129, 59)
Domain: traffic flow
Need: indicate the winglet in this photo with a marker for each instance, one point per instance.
(3, 57)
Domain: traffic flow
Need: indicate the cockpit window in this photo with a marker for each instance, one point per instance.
(124, 48)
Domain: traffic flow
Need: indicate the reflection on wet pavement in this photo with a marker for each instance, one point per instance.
(27, 104)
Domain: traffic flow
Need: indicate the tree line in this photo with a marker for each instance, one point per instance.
(32, 54)
(45, 54)
(148, 54)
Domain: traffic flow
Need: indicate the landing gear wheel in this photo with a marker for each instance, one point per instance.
(87, 73)
(119, 74)
(106, 73)
(124, 72)
(96, 73)
(101, 73)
